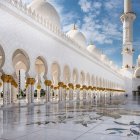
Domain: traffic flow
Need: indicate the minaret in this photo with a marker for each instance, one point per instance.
(127, 19)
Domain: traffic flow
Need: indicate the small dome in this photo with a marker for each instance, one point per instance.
(91, 48)
(137, 73)
(77, 36)
(46, 10)
(103, 57)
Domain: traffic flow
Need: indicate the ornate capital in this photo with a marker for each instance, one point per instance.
(60, 84)
(48, 82)
(30, 81)
(64, 86)
(0, 84)
(71, 85)
(7, 78)
(84, 87)
(78, 86)
(56, 88)
(13, 83)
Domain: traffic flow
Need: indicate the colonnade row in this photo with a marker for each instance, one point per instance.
(59, 93)
(75, 83)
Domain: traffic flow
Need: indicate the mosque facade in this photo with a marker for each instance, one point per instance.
(33, 45)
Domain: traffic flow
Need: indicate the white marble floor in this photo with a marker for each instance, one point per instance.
(72, 121)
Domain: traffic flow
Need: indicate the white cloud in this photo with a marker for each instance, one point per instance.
(97, 5)
(110, 51)
(85, 5)
(102, 30)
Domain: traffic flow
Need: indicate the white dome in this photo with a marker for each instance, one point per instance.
(103, 57)
(46, 10)
(77, 36)
(91, 48)
(137, 73)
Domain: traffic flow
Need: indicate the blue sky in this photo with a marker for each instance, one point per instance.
(99, 20)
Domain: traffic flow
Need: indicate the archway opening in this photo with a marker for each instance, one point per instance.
(82, 78)
(87, 79)
(2, 60)
(55, 73)
(66, 74)
(75, 76)
(41, 70)
(21, 65)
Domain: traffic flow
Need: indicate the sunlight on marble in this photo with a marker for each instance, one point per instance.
(82, 120)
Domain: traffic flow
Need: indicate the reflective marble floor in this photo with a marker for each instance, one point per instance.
(117, 120)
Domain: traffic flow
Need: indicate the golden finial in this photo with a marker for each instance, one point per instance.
(74, 27)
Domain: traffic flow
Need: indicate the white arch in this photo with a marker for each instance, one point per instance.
(75, 76)
(21, 58)
(55, 73)
(41, 66)
(66, 74)
(82, 78)
(92, 83)
(2, 57)
(87, 79)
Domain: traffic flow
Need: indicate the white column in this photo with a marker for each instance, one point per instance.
(64, 93)
(0, 89)
(7, 79)
(127, 6)
(38, 94)
(71, 87)
(38, 87)
(5, 94)
(48, 84)
(78, 92)
(30, 90)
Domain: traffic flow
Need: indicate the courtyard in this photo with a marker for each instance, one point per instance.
(117, 119)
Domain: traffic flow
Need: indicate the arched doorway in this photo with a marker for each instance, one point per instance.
(55, 74)
(66, 75)
(82, 78)
(2, 60)
(41, 70)
(75, 76)
(21, 64)
(87, 79)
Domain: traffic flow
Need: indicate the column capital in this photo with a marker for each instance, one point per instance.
(48, 82)
(30, 81)
(7, 78)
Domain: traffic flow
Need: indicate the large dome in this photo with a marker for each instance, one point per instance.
(137, 73)
(46, 10)
(77, 36)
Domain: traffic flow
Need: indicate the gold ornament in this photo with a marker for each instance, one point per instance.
(38, 86)
(60, 84)
(48, 83)
(30, 81)
(78, 86)
(7, 78)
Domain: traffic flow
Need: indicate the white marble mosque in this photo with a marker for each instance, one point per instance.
(53, 85)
